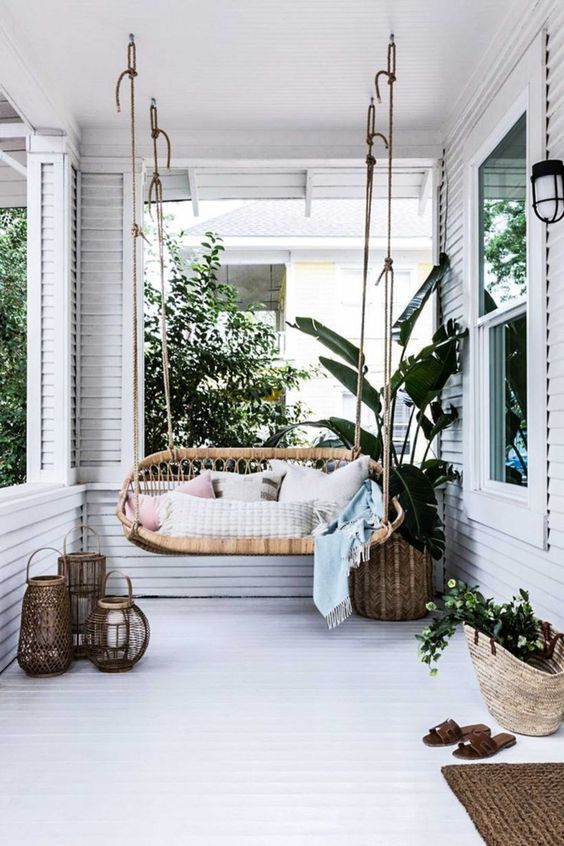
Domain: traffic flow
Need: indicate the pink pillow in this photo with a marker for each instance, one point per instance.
(201, 486)
(148, 510)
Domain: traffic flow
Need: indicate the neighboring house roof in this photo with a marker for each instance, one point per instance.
(330, 219)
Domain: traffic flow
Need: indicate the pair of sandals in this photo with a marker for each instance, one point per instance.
(474, 742)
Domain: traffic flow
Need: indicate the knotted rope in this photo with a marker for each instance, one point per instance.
(156, 189)
(387, 274)
(131, 72)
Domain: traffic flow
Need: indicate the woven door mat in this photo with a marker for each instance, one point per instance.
(512, 804)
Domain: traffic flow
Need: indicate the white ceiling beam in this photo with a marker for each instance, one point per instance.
(308, 192)
(13, 163)
(304, 149)
(15, 129)
(425, 191)
(193, 188)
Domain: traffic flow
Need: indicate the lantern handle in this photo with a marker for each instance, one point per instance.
(33, 554)
(88, 529)
(127, 579)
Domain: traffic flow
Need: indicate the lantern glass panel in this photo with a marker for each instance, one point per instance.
(549, 196)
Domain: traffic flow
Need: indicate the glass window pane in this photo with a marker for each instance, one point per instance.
(508, 402)
(503, 221)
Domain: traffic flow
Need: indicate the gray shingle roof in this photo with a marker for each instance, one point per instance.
(330, 218)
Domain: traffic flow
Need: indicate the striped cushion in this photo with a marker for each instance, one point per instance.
(182, 515)
(248, 488)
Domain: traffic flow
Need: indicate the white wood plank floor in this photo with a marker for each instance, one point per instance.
(247, 724)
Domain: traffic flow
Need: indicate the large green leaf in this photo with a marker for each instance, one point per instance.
(330, 339)
(369, 444)
(403, 326)
(417, 497)
(344, 429)
(349, 378)
(426, 373)
(439, 472)
(441, 420)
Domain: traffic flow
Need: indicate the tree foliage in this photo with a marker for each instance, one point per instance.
(505, 254)
(13, 359)
(227, 381)
(505, 248)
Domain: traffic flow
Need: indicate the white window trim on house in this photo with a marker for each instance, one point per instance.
(519, 512)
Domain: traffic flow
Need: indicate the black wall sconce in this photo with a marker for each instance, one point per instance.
(548, 190)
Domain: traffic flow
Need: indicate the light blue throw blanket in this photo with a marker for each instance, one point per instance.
(343, 544)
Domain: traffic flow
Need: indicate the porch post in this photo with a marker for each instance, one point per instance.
(51, 256)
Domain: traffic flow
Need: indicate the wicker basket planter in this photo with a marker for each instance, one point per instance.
(523, 698)
(84, 573)
(45, 644)
(395, 584)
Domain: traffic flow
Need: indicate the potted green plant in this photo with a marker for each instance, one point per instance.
(518, 659)
(418, 382)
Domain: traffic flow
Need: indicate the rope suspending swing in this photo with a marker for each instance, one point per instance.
(136, 232)
(156, 188)
(163, 471)
(387, 275)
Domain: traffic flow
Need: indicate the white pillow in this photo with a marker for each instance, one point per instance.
(304, 483)
(249, 487)
(183, 515)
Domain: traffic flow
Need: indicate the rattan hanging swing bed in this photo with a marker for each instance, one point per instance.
(164, 471)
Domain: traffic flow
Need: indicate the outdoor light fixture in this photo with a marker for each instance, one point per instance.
(548, 190)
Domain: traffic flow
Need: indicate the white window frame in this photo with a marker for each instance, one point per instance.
(519, 512)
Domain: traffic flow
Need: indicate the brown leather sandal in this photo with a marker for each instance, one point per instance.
(449, 732)
(481, 745)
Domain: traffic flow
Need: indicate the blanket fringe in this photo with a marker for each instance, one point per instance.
(358, 555)
(339, 613)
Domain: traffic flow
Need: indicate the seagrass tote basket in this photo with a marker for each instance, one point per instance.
(527, 698)
(396, 583)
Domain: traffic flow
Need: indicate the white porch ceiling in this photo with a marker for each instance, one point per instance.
(254, 65)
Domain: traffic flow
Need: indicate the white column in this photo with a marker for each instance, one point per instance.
(50, 163)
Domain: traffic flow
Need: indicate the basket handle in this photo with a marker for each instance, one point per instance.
(127, 579)
(88, 529)
(33, 554)
(550, 642)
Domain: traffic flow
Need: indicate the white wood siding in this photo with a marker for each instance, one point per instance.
(101, 320)
(476, 553)
(192, 575)
(39, 520)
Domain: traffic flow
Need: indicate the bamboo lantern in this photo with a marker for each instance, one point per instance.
(84, 573)
(116, 633)
(45, 644)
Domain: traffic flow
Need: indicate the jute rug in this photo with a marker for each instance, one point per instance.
(512, 804)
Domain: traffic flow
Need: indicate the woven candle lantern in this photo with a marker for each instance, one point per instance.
(84, 573)
(116, 633)
(45, 644)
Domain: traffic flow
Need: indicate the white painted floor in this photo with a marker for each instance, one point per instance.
(247, 724)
